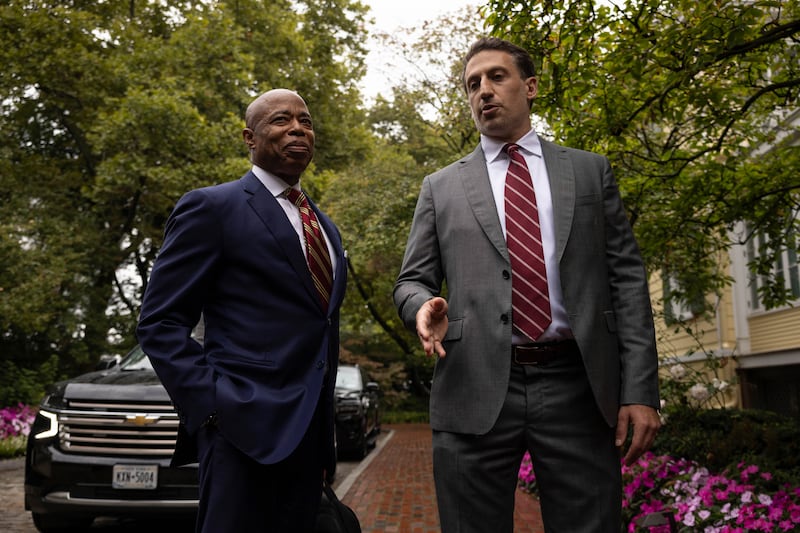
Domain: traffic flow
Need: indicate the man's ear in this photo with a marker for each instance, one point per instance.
(533, 87)
(247, 135)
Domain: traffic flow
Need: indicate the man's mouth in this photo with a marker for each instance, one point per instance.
(297, 148)
(489, 109)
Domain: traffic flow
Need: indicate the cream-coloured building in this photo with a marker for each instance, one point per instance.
(767, 340)
(744, 355)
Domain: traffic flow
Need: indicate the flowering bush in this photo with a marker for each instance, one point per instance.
(527, 479)
(16, 421)
(699, 500)
(702, 501)
(699, 385)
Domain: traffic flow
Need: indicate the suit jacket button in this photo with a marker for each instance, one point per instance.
(506, 274)
(504, 318)
(320, 364)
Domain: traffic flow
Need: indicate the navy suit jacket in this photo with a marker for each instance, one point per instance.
(270, 351)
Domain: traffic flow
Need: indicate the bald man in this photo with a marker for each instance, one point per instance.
(256, 399)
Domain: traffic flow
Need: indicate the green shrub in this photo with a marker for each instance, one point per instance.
(12, 447)
(25, 385)
(404, 417)
(720, 439)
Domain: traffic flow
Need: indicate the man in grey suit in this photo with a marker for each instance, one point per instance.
(571, 395)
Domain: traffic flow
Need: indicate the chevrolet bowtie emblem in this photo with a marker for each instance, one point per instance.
(142, 420)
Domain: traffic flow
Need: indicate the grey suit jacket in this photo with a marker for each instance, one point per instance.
(456, 244)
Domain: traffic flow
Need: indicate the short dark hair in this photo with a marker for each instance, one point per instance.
(522, 59)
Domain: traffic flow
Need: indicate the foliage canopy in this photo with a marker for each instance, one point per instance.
(109, 112)
(696, 105)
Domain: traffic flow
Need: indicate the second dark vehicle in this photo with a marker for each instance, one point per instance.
(357, 411)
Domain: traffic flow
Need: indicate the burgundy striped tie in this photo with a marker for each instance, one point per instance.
(319, 260)
(530, 300)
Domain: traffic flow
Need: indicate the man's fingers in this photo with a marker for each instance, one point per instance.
(431, 325)
(622, 432)
(439, 348)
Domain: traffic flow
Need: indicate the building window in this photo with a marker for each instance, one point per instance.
(774, 278)
(680, 305)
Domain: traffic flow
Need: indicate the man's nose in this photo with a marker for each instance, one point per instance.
(295, 128)
(485, 90)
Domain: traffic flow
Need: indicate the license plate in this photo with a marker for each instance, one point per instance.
(142, 477)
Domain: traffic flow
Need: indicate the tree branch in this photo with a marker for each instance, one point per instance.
(398, 339)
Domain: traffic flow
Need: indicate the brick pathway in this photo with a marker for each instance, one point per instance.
(395, 494)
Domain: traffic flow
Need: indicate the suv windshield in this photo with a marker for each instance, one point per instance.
(349, 378)
(136, 360)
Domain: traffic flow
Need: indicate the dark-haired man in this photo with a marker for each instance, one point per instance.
(546, 341)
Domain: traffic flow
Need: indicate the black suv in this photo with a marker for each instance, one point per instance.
(357, 411)
(101, 446)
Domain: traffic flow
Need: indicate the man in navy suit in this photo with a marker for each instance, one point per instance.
(256, 399)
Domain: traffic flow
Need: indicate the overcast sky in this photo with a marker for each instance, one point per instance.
(389, 15)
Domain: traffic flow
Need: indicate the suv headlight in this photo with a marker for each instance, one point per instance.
(45, 426)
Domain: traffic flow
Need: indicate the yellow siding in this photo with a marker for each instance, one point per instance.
(674, 340)
(717, 334)
(775, 330)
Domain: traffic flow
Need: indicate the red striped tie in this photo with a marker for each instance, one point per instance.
(530, 300)
(319, 260)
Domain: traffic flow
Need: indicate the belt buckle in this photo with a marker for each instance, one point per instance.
(531, 349)
(538, 347)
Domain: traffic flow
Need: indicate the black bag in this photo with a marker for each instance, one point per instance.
(334, 516)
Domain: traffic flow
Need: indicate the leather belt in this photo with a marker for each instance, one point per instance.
(540, 353)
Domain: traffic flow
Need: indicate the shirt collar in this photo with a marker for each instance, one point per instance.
(276, 186)
(492, 148)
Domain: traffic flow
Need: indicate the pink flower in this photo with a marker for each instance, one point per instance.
(16, 421)
(704, 502)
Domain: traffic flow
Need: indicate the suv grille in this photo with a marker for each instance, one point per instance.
(122, 428)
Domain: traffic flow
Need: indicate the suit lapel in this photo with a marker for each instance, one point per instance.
(562, 190)
(274, 218)
(475, 180)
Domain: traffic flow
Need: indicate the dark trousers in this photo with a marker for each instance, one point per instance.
(240, 495)
(550, 411)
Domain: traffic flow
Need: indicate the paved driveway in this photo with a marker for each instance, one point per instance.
(391, 490)
(15, 519)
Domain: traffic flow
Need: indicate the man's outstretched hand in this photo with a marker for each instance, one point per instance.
(432, 325)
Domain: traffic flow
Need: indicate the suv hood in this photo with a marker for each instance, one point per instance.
(107, 384)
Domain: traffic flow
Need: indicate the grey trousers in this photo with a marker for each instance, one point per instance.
(549, 411)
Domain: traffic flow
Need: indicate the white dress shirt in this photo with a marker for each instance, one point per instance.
(497, 163)
(277, 187)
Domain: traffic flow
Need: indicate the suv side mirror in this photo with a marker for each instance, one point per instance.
(373, 387)
(107, 361)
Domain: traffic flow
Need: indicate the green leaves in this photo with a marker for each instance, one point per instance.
(691, 102)
(109, 112)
